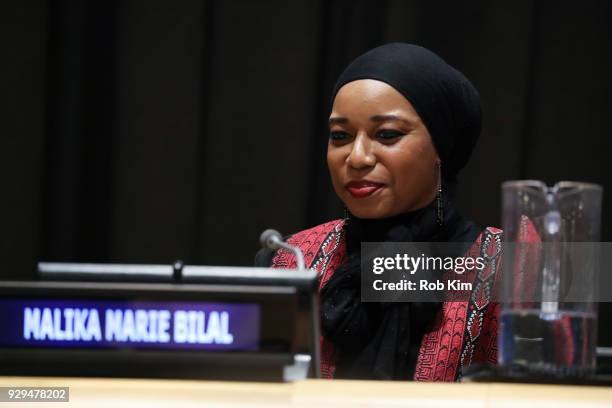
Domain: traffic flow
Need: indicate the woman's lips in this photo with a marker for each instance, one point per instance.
(360, 189)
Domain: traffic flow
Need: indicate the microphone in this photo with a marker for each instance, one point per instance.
(272, 239)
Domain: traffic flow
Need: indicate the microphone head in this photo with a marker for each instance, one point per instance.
(269, 239)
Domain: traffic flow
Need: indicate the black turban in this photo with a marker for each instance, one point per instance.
(444, 98)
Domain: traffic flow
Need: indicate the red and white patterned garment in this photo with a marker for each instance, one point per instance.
(463, 333)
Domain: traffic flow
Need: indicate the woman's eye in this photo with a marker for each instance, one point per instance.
(389, 134)
(338, 135)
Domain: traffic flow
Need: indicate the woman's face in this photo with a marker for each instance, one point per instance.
(380, 155)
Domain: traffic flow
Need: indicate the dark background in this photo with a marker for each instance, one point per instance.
(148, 131)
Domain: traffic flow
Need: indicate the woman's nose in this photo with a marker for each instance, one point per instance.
(361, 155)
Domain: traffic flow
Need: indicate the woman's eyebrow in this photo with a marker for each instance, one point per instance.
(338, 120)
(384, 118)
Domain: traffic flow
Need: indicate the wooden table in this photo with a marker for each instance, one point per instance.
(145, 393)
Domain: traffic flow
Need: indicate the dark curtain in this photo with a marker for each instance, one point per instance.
(148, 131)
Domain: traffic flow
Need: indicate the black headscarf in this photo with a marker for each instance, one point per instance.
(381, 340)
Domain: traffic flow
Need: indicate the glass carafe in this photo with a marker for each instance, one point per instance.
(549, 277)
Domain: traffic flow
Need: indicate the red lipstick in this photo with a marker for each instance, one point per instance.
(363, 188)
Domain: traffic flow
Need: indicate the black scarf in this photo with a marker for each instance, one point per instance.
(382, 340)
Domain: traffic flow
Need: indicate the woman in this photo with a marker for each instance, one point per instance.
(402, 125)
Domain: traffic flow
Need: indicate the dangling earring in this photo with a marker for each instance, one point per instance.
(439, 196)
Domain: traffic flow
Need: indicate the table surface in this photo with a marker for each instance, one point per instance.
(149, 393)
